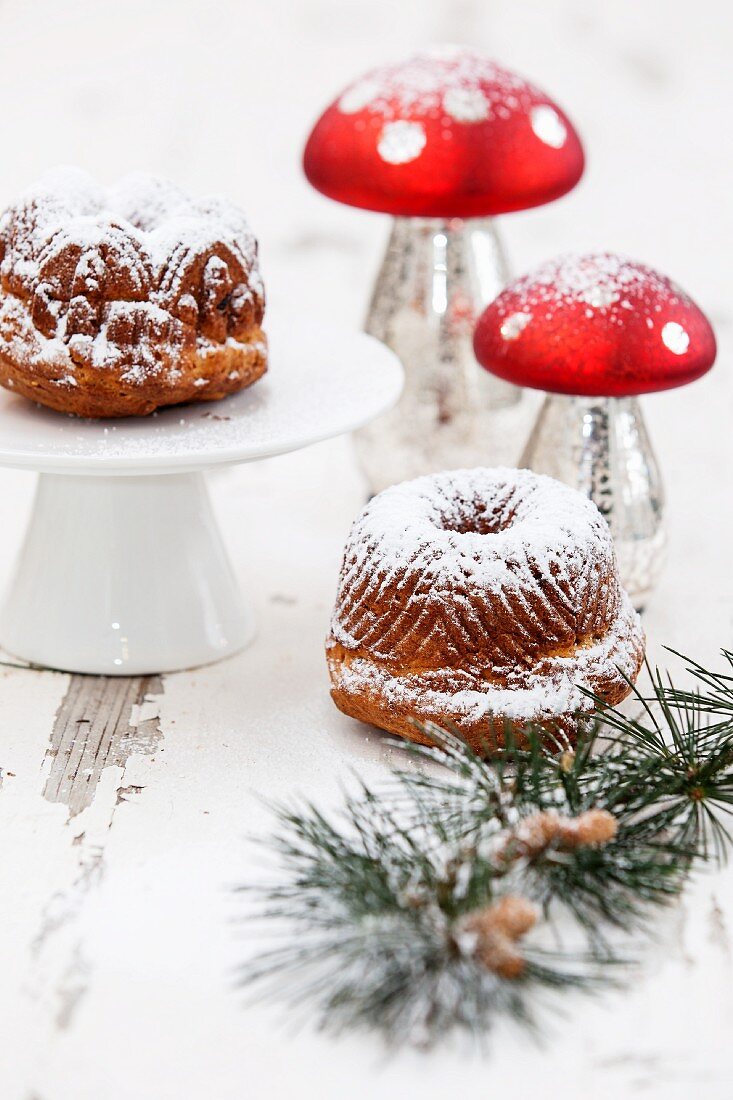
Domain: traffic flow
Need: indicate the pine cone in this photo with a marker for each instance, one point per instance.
(495, 930)
(549, 829)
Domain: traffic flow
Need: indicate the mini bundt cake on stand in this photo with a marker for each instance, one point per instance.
(477, 598)
(118, 301)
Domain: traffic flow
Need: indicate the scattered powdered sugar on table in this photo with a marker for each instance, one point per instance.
(90, 273)
(479, 592)
(323, 381)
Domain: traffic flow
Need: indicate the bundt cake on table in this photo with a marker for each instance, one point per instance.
(118, 301)
(477, 598)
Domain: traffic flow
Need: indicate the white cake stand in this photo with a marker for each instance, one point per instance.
(123, 570)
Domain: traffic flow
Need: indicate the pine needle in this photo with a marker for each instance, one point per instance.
(420, 907)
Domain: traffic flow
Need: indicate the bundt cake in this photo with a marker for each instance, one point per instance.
(115, 302)
(477, 598)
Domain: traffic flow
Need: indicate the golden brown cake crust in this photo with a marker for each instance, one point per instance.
(475, 598)
(116, 302)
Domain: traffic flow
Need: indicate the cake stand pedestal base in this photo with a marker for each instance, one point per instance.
(123, 571)
(123, 576)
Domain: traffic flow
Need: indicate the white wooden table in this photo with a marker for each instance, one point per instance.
(120, 837)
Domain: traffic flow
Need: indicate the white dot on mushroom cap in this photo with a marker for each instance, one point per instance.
(514, 325)
(548, 126)
(675, 338)
(401, 141)
(358, 97)
(466, 104)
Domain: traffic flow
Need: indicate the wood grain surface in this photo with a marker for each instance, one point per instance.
(128, 808)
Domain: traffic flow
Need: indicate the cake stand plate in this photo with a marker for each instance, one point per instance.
(123, 570)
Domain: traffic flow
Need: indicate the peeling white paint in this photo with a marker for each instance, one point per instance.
(128, 996)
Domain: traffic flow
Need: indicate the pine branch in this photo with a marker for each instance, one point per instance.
(673, 768)
(598, 884)
(414, 909)
(398, 928)
(714, 690)
(685, 783)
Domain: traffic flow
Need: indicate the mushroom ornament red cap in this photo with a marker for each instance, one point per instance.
(598, 325)
(446, 134)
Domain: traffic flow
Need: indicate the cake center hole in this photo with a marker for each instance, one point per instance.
(476, 518)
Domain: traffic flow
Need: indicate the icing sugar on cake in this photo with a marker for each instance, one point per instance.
(133, 278)
(99, 266)
(480, 594)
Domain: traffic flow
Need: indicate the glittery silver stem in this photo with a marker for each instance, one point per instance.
(600, 446)
(436, 277)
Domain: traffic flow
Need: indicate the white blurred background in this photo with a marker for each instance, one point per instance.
(220, 94)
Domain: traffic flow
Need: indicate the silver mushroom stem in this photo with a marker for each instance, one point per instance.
(436, 277)
(600, 446)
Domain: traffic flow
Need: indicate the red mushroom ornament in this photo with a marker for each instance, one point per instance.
(443, 141)
(596, 331)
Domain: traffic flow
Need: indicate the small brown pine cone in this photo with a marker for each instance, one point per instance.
(496, 928)
(590, 827)
(542, 830)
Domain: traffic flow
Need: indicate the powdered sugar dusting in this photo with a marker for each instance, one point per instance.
(325, 380)
(496, 591)
(105, 277)
(358, 96)
(515, 325)
(603, 282)
(435, 514)
(452, 81)
(552, 691)
(466, 104)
